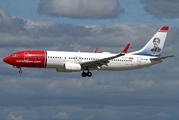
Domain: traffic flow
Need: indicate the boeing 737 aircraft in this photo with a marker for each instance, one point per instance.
(64, 61)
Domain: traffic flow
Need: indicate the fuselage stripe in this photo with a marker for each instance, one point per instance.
(45, 64)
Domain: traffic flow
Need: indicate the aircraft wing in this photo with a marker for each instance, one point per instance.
(103, 61)
(161, 58)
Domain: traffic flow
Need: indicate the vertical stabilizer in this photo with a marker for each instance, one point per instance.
(155, 45)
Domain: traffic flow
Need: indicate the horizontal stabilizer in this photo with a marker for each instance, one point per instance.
(161, 58)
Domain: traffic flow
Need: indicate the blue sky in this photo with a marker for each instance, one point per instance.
(134, 14)
(73, 25)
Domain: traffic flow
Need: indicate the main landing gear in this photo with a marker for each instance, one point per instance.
(84, 74)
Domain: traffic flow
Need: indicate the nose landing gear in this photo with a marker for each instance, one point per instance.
(20, 71)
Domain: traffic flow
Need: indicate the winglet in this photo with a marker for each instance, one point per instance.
(126, 49)
(95, 50)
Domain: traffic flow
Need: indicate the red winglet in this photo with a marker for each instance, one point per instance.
(126, 48)
(95, 50)
(164, 28)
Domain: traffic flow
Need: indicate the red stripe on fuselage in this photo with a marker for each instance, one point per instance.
(29, 58)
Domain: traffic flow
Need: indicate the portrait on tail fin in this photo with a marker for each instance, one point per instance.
(155, 45)
(156, 49)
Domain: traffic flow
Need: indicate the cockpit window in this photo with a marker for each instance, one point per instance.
(14, 55)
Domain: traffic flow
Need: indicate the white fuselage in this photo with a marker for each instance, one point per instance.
(57, 59)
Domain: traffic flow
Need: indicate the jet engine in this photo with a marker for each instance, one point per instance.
(70, 67)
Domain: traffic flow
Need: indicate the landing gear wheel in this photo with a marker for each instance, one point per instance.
(20, 71)
(89, 74)
(83, 74)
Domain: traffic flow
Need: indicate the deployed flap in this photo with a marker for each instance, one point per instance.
(103, 61)
(161, 58)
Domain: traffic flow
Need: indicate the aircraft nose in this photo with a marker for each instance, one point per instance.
(6, 59)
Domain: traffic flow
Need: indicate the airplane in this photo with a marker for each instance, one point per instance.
(65, 61)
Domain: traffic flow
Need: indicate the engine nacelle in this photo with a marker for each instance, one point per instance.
(70, 67)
